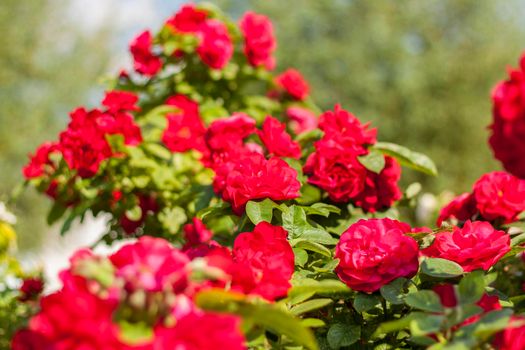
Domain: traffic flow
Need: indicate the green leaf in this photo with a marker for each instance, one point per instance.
(312, 246)
(260, 211)
(396, 325)
(471, 288)
(309, 194)
(135, 333)
(426, 324)
(158, 150)
(373, 161)
(341, 334)
(172, 219)
(301, 256)
(425, 300)
(411, 159)
(412, 190)
(364, 302)
(322, 209)
(394, 291)
(313, 322)
(294, 221)
(269, 316)
(441, 268)
(56, 212)
(134, 214)
(310, 305)
(327, 287)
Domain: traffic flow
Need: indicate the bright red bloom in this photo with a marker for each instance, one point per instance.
(151, 264)
(293, 83)
(185, 129)
(301, 119)
(461, 208)
(189, 19)
(215, 48)
(499, 196)
(475, 246)
(214, 331)
(336, 171)
(277, 141)
(346, 130)
(145, 62)
(196, 233)
(264, 262)
(259, 40)
(380, 190)
(513, 337)
(229, 133)
(119, 101)
(374, 252)
(39, 162)
(508, 128)
(255, 177)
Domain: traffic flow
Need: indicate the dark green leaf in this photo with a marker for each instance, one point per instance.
(426, 324)
(373, 161)
(441, 268)
(394, 291)
(471, 288)
(341, 334)
(407, 157)
(364, 302)
(56, 212)
(425, 300)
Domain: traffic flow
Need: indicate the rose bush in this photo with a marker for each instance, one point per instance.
(257, 221)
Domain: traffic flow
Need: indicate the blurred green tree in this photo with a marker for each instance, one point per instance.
(420, 71)
(47, 66)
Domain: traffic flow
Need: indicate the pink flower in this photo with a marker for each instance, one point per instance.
(259, 40)
(151, 264)
(374, 252)
(475, 246)
(513, 337)
(277, 141)
(499, 196)
(145, 62)
(301, 119)
(294, 84)
(254, 177)
(215, 48)
(461, 208)
(264, 262)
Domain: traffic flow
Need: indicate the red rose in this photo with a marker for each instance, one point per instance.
(336, 171)
(499, 196)
(255, 177)
(461, 208)
(188, 20)
(380, 190)
(508, 129)
(513, 337)
(475, 246)
(229, 133)
(196, 233)
(259, 41)
(293, 83)
(346, 130)
(277, 141)
(119, 101)
(301, 119)
(374, 252)
(39, 163)
(215, 48)
(185, 130)
(264, 262)
(151, 264)
(145, 62)
(214, 331)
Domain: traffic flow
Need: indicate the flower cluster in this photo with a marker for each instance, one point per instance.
(335, 166)
(508, 128)
(496, 197)
(150, 277)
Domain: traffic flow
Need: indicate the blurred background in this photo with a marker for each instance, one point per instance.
(420, 71)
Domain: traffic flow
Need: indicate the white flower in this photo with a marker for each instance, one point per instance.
(6, 216)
